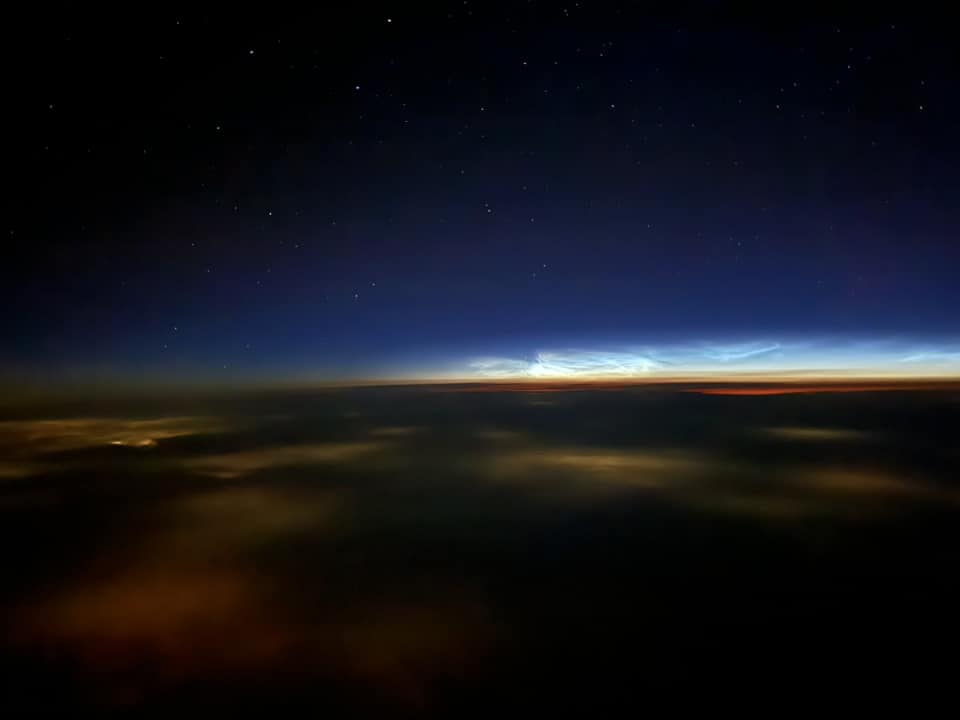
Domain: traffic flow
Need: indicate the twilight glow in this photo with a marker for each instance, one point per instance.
(766, 358)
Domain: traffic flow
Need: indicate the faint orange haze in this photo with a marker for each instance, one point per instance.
(739, 387)
(790, 389)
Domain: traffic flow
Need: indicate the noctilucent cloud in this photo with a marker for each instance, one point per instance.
(825, 358)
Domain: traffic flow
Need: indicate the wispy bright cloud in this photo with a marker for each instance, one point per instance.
(868, 358)
(740, 352)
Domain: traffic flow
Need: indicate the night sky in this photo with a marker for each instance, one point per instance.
(476, 189)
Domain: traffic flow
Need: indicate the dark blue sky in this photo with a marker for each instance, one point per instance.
(373, 191)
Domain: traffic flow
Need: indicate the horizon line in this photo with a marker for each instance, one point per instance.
(707, 384)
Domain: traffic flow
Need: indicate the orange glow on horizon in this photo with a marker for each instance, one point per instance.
(741, 387)
(786, 389)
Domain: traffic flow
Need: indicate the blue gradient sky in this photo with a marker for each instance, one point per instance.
(613, 192)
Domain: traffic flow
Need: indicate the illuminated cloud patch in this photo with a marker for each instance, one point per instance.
(246, 462)
(30, 446)
(815, 434)
(58, 435)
